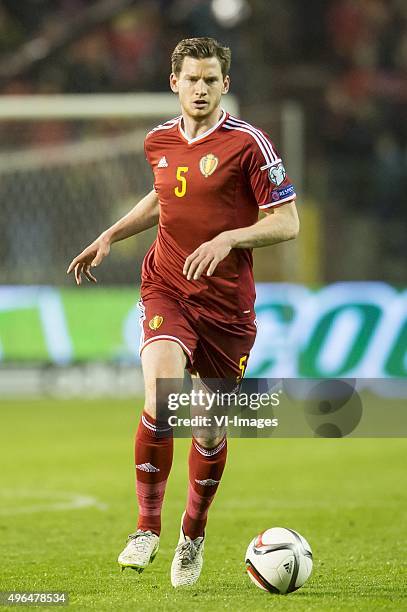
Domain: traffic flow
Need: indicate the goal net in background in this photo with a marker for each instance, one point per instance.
(72, 165)
(69, 167)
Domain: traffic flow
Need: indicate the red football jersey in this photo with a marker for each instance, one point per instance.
(206, 185)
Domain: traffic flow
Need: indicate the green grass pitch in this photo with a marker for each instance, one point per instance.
(67, 503)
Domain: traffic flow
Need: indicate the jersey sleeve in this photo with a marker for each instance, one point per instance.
(148, 158)
(266, 174)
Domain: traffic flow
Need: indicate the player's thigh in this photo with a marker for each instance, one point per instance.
(220, 361)
(224, 351)
(162, 318)
(162, 360)
(168, 341)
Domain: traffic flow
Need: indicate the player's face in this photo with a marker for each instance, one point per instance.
(200, 86)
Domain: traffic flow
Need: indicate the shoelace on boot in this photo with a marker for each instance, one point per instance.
(140, 539)
(187, 552)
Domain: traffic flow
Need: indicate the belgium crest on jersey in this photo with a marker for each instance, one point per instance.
(208, 164)
(156, 322)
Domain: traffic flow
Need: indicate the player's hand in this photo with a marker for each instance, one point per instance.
(207, 256)
(90, 257)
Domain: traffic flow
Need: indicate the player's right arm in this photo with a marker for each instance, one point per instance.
(144, 215)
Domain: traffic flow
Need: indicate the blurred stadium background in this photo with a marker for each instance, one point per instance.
(81, 81)
(80, 84)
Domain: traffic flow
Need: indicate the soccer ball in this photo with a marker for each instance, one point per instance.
(279, 560)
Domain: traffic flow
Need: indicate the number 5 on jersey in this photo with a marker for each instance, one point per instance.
(181, 189)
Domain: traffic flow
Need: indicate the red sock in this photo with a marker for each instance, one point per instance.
(205, 471)
(153, 456)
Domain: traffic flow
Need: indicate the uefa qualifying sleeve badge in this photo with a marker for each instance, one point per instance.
(277, 174)
(208, 164)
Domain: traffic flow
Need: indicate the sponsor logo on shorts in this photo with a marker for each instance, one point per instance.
(208, 482)
(147, 467)
(156, 322)
(208, 164)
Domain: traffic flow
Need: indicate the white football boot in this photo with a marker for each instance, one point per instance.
(141, 550)
(188, 560)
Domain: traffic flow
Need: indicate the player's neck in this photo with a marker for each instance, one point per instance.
(195, 127)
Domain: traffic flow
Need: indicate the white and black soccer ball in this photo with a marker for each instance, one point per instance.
(279, 560)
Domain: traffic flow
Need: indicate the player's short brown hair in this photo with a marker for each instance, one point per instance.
(200, 48)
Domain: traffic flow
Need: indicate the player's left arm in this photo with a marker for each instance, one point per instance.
(279, 225)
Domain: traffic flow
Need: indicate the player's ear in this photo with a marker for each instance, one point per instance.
(174, 82)
(226, 84)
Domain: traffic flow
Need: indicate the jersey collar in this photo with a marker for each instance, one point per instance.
(205, 134)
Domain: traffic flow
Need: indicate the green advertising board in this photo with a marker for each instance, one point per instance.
(341, 330)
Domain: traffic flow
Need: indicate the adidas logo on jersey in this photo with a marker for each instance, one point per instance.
(147, 467)
(207, 482)
(162, 163)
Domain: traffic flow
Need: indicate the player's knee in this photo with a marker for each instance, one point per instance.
(158, 394)
(209, 439)
(151, 409)
(163, 368)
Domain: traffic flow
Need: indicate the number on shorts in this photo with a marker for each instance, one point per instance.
(242, 366)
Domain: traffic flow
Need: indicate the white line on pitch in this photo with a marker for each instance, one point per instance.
(67, 501)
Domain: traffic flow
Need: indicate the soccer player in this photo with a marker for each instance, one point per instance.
(212, 174)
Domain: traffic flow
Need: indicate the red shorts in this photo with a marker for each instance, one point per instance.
(214, 349)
